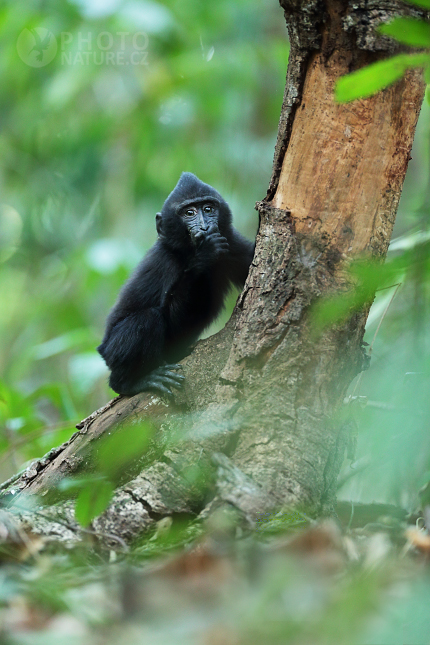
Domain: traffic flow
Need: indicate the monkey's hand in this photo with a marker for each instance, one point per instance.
(217, 243)
(208, 249)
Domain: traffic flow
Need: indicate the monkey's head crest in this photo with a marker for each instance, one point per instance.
(188, 190)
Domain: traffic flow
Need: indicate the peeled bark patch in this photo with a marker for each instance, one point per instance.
(344, 169)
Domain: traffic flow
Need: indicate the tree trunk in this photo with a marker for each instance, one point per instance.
(256, 421)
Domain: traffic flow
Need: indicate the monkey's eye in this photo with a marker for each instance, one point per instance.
(189, 212)
(208, 209)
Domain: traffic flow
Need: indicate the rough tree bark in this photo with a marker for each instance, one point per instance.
(259, 404)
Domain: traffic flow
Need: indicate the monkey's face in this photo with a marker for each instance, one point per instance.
(192, 212)
(200, 219)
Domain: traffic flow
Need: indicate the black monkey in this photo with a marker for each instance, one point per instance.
(176, 291)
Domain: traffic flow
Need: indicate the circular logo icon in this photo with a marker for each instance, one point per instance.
(36, 46)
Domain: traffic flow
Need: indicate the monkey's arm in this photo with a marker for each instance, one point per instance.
(135, 337)
(132, 348)
(241, 252)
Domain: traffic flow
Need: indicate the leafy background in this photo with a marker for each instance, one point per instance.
(88, 153)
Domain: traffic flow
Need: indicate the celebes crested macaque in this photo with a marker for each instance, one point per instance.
(176, 291)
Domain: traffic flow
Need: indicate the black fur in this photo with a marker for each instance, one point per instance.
(176, 291)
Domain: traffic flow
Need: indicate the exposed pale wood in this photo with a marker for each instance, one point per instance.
(345, 164)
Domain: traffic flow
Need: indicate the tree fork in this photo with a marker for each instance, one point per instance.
(260, 400)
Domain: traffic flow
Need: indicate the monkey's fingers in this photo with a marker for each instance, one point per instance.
(220, 245)
(165, 372)
(215, 236)
(222, 242)
(177, 378)
(170, 378)
(166, 378)
(173, 366)
(172, 382)
(160, 388)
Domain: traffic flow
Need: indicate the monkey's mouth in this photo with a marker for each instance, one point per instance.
(198, 234)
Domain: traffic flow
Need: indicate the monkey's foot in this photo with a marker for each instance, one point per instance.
(163, 378)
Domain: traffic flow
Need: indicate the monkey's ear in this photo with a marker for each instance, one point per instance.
(158, 224)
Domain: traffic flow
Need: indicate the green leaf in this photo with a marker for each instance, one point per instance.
(124, 447)
(369, 80)
(93, 500)
(367, 278)
(75, 484)
(420, 3)
(408, 31)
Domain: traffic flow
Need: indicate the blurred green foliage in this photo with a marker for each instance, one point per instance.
(393, 457)
(414, 32)
(89, 150)
(390, 405)
(392, 461)
(90, 147)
